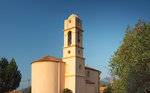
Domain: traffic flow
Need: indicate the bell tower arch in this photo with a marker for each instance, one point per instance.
(73, 55)
(69, 38)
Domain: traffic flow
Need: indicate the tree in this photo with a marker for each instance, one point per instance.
(66, 90)
(109, 89)
(10, 76)
(130, 64)
(29, 89)
(26, 90)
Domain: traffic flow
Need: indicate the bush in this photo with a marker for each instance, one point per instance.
(66, 90)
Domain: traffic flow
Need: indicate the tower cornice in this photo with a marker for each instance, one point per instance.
(74, 57)
(72, 28)
(73, 46)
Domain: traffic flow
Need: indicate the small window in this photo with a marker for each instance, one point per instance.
(88, 73)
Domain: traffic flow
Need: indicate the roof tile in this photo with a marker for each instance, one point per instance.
(49, 58)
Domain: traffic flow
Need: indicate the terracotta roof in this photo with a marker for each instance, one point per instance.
(87, 67)
(14, 92)
(103, 88)
(49, 59)
(89, 82)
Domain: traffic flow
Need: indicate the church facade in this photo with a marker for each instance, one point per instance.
(53, 75)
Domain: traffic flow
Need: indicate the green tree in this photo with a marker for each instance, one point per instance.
(29, 89)
(26, 90)
(130, 64)
(66, 90)
(10, 76)
(109, 89)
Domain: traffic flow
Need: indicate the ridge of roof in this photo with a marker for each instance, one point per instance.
(48, 58)
(87, 67)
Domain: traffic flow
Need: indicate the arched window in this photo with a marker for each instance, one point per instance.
(69, 38)
(78, 37)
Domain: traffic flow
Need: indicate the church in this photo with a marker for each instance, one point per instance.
(53, 75)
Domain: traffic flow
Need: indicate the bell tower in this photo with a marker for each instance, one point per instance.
(73, 55)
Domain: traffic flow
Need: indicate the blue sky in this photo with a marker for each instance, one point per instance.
(31, 29)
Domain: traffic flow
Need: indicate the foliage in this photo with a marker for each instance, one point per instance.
(66, 90)
(26, 90)
(10, 76)
(109, 89)
(103, 85)
(29, 89)
(130, 64)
